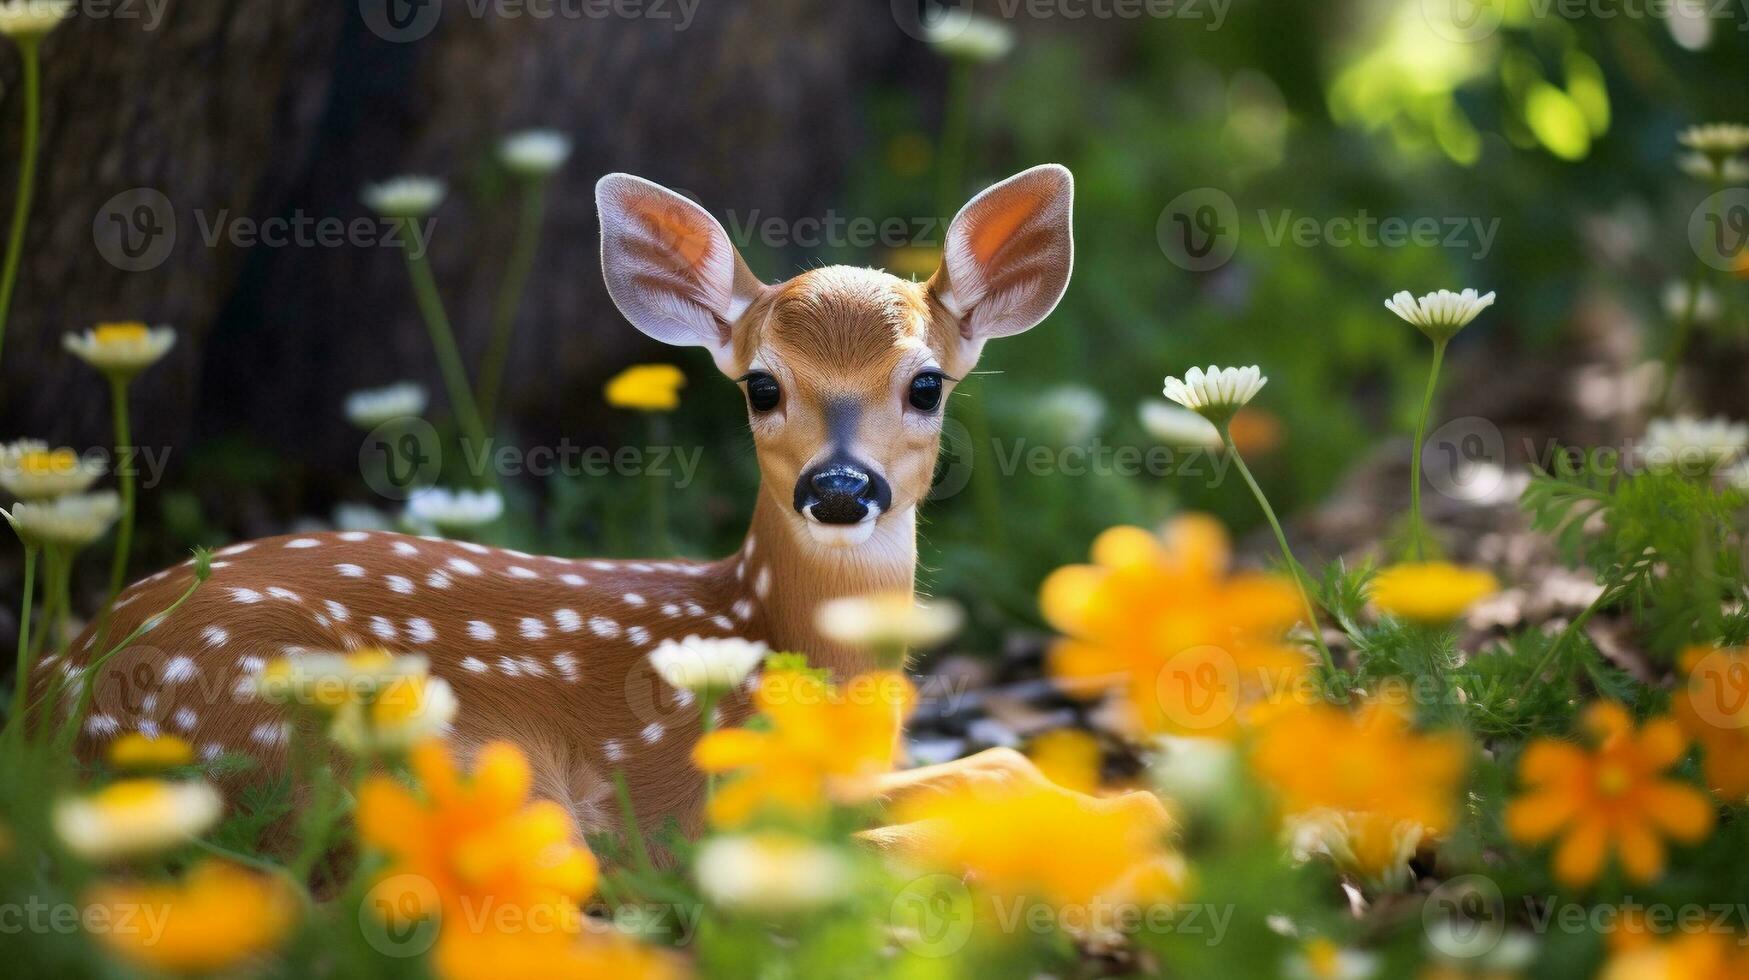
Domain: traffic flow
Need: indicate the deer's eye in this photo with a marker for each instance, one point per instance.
(762, 391)
(926, 391)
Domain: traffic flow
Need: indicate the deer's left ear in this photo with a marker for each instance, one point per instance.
(1008, 254)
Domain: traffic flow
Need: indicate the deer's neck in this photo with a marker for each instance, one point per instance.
(805, 573)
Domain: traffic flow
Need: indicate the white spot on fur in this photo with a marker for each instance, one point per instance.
(355, 536)
(474, 664)
(407, 548)
(510, 667)
(268, 733)
(638, 635)
(481, 630)
(517, 571)
(694, 609)
(420, 630)
(383, 628)
(464, 566)
(573, 579)
(286, 594)
(101, 725)
(603, 627)
(350, 570)
(399, 583)
(179, 669)
(185, 719)
(568, 620)
(337, 610)
(302, 543)
(245, 596)
(235, 549)
(653, 733)
(438, 580)
(742, 609)
(613, 750)
(251, 665)
(211, 750)
(722, 623)
(532, 667)
(567, 665)
(532, 628)
(762, 583)
(215, 636)
(633, 599)
(670, 610)
(601, 566)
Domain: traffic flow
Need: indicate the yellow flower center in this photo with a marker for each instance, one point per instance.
(119, 333)
(1323, 957)
(129, 793)
(42, 462)
(1613, 780)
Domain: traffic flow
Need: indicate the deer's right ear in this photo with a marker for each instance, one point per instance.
(670, 267)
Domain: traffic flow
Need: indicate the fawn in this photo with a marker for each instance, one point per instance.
(846, 373)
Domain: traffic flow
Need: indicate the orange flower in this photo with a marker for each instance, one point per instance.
(475, 844)
(1197, 651)
(1615, 796)
(1691, 956)
(493, 955)
(824, 743)
(1362, 786)
(1009, 837)
(216, 917)
(1713, 708)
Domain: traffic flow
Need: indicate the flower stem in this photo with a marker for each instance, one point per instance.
(28, 50)
(1555, 648)
(510, 298)
(1293, 564)
(1678, 343)
(640, 853)
(449, 358)
(1416, 528)
(124, 535)
(21, 679)
(87, 678)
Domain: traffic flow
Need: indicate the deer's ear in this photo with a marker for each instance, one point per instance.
(1008, 254)
(669, 266)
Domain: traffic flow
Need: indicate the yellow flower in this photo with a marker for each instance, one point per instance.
(407, 710)
(1713, 709)
(1435, 592)
(646, 387)
(1613, 797)
(329, 681)
(476, 842)
(30, 470)
(1198, 651)
(824, 743)
(136, 816)
(1690, 956)
(494, 954)
(31, 19)
(216, 917)
(1014, 840)
(1321, 959)
(1069, 758)
(137, 750)
(121, 349)
(1362, 786)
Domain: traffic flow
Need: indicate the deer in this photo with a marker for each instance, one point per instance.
(846, 373)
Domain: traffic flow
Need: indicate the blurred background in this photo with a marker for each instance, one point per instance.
(1253, 180)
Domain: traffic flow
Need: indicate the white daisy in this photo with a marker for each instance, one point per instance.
(707, 666)
(331, 680)
(1441, 314)
(136, 816)
(771, 874)
(535, 153)
(69, 521)
(1693, 446)
(1716, 140)
(453, 509)
(32, 18)
(372, 407)
(30, 470)
(959, 33)
(1734, 170)
(888, 619)
(406, 711)
(1176, 426)
(1217, 393)
(405, 197)
(1321, 959)
(123, 349)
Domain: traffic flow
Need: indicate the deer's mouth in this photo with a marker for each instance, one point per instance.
(839, 535)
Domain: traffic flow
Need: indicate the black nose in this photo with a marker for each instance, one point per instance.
(840, 492)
